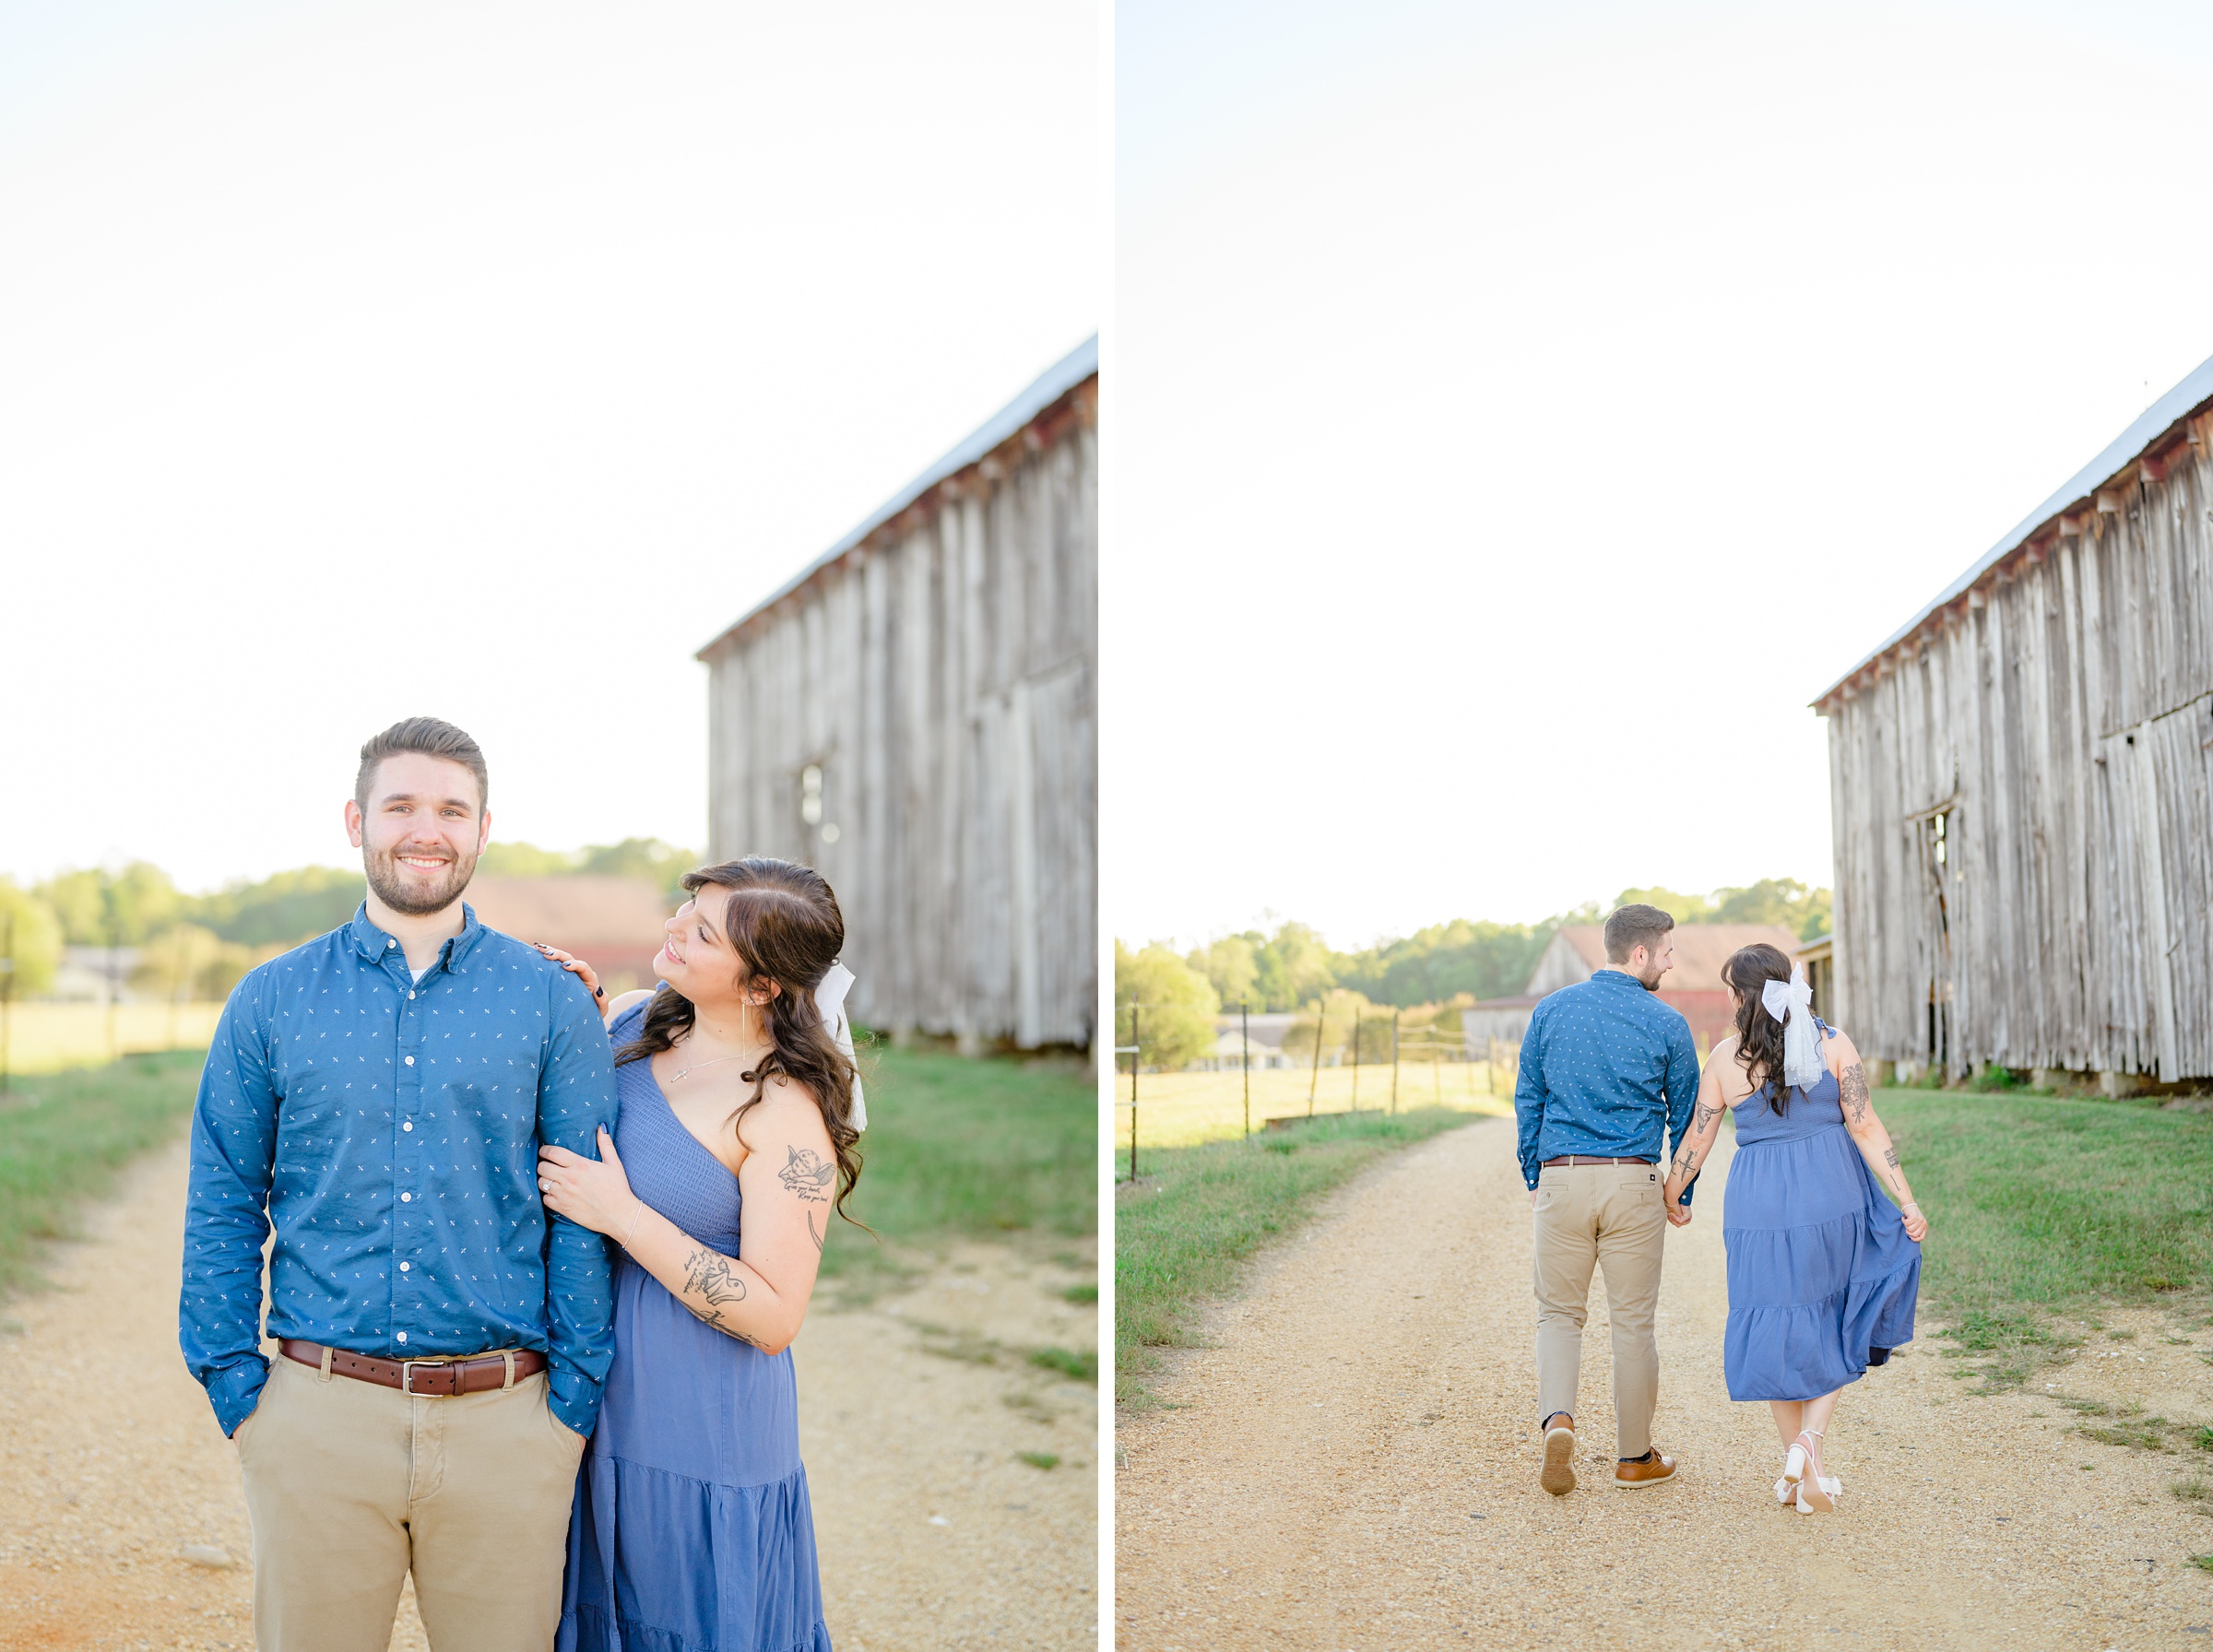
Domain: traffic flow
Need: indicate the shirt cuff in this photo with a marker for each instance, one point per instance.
(572, 1397)
(235, 1390)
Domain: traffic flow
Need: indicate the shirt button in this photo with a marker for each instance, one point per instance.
(409, 1125)
(410, 995)
(403, 1268)
(405, 1198)
(403, 1336)
(410, 1061)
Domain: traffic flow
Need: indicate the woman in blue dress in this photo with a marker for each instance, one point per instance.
(734, 1145)
(1823, 1269)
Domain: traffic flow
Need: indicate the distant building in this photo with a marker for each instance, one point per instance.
(613, 923)
(1819, 956)
(915, 715)
(95, 975)
(1577, 952)
(2017, 785)
(1269, 1032)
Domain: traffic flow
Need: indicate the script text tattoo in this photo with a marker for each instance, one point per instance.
(709, 1276)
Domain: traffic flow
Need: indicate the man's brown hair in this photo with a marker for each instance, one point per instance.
(1634, 926)
(429, 737)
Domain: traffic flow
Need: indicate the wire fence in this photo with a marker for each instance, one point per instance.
(1382, 1065)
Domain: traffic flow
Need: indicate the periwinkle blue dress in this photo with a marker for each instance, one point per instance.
(691, 1530)
(1822, 1277)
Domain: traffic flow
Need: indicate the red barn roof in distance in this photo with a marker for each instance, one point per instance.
(1700, 951)
(608, 922)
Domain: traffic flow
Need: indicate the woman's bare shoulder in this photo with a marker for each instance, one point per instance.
(1729, 1072)
(623, 1003)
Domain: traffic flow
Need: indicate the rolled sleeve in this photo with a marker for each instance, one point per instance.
(575, 1097)
(226, 1221)
(1530, 1096)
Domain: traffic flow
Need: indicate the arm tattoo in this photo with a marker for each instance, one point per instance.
(1854, 1086)
(812, 1233)
(808, 1174)
(707, 1275)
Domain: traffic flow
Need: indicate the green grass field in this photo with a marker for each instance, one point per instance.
(956, 1148)
(961, 1147)
(51, 1038)
(1189, 1109)
(64, 1136)
(2042, 1204)
(1186, 1226)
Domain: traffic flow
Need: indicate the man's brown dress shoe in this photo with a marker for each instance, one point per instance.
(1654, 1470)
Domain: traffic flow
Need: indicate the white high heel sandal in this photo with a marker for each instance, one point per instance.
(1825, 1489)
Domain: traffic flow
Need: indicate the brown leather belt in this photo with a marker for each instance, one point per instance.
(1586, 1158)
(444, 1377)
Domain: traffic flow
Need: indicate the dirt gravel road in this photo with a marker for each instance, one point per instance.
(1353, 1464)
(933, 1533)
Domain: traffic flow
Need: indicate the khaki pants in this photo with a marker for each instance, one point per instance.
(351, 1486)
(1613, 1216)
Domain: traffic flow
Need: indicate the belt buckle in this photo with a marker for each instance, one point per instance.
(407, 1377)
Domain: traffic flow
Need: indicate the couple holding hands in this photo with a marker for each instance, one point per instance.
(1823, 1269)
(537, 1257)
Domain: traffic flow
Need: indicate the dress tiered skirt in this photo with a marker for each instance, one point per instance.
(1822, 1277)
(691, 1530)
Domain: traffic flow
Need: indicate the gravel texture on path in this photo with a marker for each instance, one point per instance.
(933, 1534)
(1352, 1463)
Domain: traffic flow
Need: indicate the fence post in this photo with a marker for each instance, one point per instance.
(1394, 1059)
(1356, 1058)
(1436, 1073)
(1316, 1079)
(1137, 1057)
(1245, 1031)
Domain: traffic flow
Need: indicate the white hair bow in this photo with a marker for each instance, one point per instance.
(830, 998)
(1792, 1003)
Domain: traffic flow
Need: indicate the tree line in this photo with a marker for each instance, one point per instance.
(197, 946)
(1435, 970)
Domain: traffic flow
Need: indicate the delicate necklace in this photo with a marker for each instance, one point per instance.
(682, 1071)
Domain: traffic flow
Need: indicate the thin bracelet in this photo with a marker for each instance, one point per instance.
(634, 1223)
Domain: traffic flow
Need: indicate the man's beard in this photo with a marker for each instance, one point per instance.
(382, 867)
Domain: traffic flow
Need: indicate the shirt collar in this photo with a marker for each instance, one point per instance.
(1623, 976)
(372, 943)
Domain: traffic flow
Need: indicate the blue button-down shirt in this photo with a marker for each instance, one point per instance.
(1604, 1063)
(388, 1132)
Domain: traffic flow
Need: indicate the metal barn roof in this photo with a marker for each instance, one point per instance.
(2162, 415)
(1056, 380)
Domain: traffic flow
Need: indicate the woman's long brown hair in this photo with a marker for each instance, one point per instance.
(1760, 1035)
(784, 924)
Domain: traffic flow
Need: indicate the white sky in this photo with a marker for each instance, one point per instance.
(1521, 413)
(484, 360)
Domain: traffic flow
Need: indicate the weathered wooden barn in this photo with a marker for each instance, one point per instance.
(916, 715)
(2018, 781)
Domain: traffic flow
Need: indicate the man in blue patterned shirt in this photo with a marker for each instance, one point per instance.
(376, 1099)
(1605, 1066)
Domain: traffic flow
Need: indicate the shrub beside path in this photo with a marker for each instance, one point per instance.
(1353, 1464)
(933, 1534)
